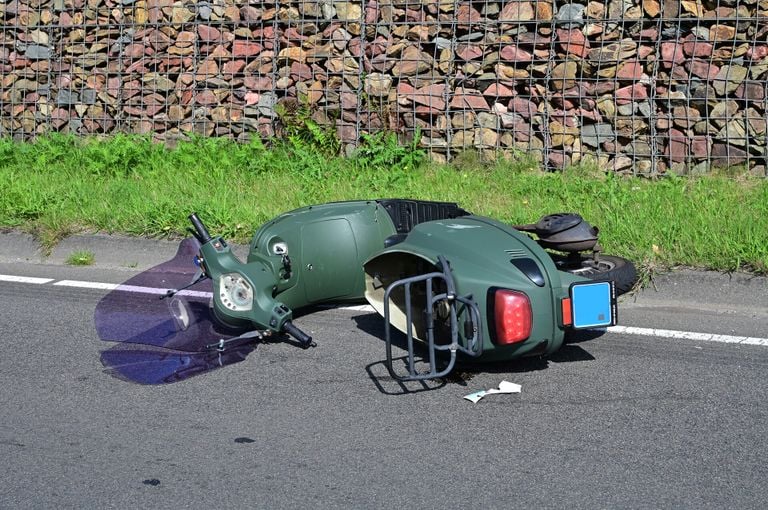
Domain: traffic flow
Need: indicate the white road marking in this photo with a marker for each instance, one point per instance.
(24, 279)
(689, 335)
(87, 285)
(129, 288)
(627, 330)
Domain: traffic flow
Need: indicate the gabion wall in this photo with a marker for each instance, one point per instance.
(644, 86)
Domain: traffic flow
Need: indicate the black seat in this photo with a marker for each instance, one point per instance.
(406, 214)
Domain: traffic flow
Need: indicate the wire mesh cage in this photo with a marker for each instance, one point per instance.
(642, 87)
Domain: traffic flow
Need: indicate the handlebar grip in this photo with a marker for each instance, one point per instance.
(304, 339)
(200, 228)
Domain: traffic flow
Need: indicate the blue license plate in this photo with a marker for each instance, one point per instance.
(593, 304)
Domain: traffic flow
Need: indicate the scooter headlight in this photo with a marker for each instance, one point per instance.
(235, 292)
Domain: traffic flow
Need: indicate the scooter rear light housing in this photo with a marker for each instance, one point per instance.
(513, 316)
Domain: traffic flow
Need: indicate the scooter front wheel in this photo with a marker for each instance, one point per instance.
(607, 267)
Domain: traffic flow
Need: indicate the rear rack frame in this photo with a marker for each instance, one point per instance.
(472, 346)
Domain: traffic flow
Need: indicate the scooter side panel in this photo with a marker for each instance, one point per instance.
(327, 245)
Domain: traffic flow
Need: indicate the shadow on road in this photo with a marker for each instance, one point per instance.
(466, 368)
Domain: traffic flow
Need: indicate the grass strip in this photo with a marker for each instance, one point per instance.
(60, 185)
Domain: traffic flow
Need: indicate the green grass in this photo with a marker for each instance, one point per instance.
(61, 185)
(81, 258)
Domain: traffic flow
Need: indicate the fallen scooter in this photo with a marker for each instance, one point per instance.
(452, 283)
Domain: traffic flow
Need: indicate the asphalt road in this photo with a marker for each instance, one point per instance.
(611, 421)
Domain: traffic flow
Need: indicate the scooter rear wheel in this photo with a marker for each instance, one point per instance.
(609, 267)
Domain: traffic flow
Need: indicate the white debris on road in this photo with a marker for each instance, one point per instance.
(504, 387)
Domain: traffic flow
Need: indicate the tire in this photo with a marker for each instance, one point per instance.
(609, 267)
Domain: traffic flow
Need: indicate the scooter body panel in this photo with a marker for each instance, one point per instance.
(482, 255)
(327, 245)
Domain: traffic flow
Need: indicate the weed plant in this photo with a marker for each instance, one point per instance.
(81, 258)
(126, 184)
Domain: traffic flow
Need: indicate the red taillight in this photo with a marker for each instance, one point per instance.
(513, 316)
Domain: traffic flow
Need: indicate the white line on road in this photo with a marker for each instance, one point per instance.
(627, 330)
(87, 285)
(689, 335)
(24, 279)
(129, 288)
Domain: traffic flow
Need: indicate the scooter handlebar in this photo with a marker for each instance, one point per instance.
(202, 232)
(304, 339)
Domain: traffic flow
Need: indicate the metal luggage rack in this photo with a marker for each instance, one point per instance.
(472, 344)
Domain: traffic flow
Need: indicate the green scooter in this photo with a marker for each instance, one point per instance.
(452, 282)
